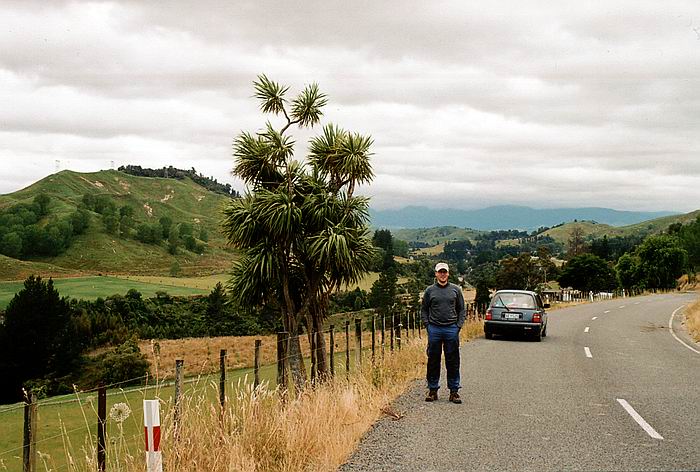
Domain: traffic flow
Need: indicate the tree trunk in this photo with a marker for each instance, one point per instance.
(320, 345)
(295, 358)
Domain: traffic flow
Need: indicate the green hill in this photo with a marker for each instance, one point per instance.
(95, 251)
(592, 230)
(435, 235)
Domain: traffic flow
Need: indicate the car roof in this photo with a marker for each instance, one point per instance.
(528, 292)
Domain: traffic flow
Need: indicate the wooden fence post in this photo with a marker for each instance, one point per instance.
(256, 366)
(282, 361)
(407, 324)
(358, 343)
(331, 333)
(29, 453)
(222, 379)
(178, 393)
(413, 324)
(391, 331)
(383, 333)
(101, 428)
(347, 348)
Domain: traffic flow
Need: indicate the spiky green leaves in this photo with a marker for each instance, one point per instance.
(342, 156)
(306, 108)
(270, 94)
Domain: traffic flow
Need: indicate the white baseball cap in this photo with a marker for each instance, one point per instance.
(440, 266)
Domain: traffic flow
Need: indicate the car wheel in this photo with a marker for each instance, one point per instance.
(488, 335)
(544, 333)
(538, 336)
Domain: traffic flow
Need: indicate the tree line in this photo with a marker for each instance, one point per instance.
(170, 172)
(45, 339)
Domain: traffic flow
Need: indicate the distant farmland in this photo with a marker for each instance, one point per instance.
(90, 288)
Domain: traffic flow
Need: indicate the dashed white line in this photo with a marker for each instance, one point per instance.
(606, 311)
(588, 352)
(670, 330)
(594, 318)
(587, 329)
(621, 307)
(640, 421)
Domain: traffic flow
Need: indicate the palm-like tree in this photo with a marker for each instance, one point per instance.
(301, 231)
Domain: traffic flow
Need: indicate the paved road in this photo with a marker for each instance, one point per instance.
(566, 403)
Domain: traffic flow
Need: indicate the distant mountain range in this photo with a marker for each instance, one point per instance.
(505, 217)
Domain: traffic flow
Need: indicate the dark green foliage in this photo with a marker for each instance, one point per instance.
(11, 245)
(80, 220)
(661, 261)
(38, 337)
(588, 272)
(111, 223)
(166, 224)
(353, 300)
(519, 273)
(149, 233)
(483, 295)
(185, 229)
(457, 250)
(383, 293)
(125, 364)
(689, 239)
(628, 274)
(611, 249)
(42, 203)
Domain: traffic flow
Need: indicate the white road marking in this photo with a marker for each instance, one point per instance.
(588, 352)
(587, 328)
(621, 307)
(636, 303)
(670, 330)
(594, 318)
(640, 421)
(606, 311)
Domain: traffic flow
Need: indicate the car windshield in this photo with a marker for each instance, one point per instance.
(514, 300)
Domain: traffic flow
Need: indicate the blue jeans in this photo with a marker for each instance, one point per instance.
(443, 338)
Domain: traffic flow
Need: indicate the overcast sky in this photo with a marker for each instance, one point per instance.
(470, 104)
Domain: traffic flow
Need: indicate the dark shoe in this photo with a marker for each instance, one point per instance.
(432, 396)
(454, 398)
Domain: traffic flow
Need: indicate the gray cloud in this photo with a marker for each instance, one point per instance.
(539, 103)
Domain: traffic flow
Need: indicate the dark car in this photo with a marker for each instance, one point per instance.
(516, 311)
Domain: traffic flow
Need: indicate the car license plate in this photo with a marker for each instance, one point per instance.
(512, 316)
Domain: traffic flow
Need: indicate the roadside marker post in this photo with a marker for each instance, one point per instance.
(151, 421)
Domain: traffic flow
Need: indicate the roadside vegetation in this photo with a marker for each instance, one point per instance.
(692, 320)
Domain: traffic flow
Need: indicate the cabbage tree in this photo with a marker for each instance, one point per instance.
(301, 230)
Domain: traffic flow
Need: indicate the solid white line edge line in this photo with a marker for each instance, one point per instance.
(587, 350)
(640, 421)
(670, 330)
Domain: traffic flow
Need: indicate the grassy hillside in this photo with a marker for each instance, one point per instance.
(593, 230)
(435, 235)
(151, 198)
(13, 269)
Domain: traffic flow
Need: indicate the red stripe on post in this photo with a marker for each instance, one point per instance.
(145, 431)
(156, 438)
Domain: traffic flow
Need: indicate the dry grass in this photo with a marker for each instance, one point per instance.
(692, 320)
(260, 431)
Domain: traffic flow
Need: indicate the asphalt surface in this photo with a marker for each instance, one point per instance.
(556, 405)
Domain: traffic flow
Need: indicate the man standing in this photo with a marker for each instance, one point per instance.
(443, 314)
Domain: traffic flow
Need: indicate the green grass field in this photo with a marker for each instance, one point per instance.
(67, 425)
(90, 288)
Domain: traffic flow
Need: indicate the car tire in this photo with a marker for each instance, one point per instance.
(538, 336)
(488, 335)
(544, 333)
